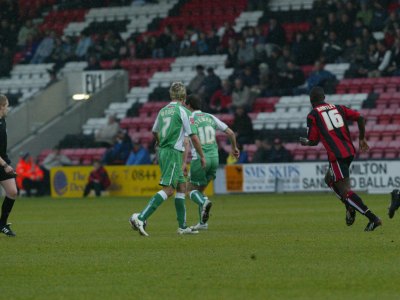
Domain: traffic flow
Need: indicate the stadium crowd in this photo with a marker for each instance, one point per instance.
(267, 60)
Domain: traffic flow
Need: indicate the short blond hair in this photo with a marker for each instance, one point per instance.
(177, 91)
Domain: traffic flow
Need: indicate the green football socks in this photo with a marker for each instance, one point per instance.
(180, 209)
(153, 204)
(197, 198)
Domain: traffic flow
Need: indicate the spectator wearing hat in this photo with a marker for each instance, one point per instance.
(279, 153)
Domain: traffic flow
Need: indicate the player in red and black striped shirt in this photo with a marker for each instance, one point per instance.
(328, 123)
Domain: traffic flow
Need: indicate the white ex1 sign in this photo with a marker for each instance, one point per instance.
(92, 81)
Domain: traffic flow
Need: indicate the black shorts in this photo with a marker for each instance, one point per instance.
(4, 175)
(340, 168)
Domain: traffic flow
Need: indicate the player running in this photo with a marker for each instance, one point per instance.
(205, 127)
(328, 123)
(169, 130)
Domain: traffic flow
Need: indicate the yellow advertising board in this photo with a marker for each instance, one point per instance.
(234, 178)
(69, 182)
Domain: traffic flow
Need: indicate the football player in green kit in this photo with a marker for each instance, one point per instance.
(169, 130)
(206, 126)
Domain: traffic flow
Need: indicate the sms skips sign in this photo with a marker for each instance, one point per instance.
(294, 177)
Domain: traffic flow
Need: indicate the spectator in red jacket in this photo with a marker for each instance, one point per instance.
(98, 180)
(221, 100)
(30, 176)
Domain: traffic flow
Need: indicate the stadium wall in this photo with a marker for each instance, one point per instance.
(69, 182)
(380, 176)
(34, 113)
(72, 117)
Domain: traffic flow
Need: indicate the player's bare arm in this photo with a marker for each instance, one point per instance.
(306, 142)
(232, 138)
(186, 146)
(361, 136)
(197, 146)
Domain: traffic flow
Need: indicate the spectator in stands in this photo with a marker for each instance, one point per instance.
(232, 52)
(138, 156)
(276, 35)
(394, 66)
(62, 52)
(44, 49)
(245, 54)
(226, 34)
(213, 43)
(145, 47)
(221, 100)
(279, 153)
(263, 152)
(173, 48)
(241, 95)
(29, 49)
(381, 58)
(128, 49)
(110, 46)
(249, 77)
(319, 27)
(85, 41)
(6, 60)
(242, 126)
(332, 48)
(26, 30)
(98, 180)
(365, 13)
(53, 159)
(197, 81)
(345, 28)
(210, 85)
(319, 76)
(162, 42)
(185, 47)
(30, 176)
(291, 78)
(119, 152)
(265, 86)
(201, 44)
(379, 16)
(93, 64)
(299, 49)
(106, 134)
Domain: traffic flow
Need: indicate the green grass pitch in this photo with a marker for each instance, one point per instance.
(288, 246)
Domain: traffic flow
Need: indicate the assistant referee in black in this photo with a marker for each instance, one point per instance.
(7, 173)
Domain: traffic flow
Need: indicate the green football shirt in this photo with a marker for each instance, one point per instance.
(205, 126)
(172, 124)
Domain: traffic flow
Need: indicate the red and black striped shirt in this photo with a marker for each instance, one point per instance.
(328, 123)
